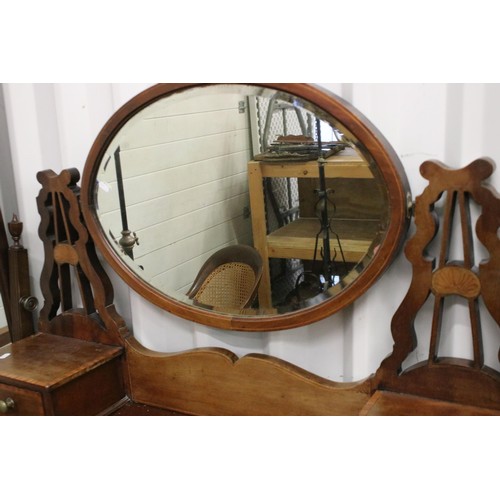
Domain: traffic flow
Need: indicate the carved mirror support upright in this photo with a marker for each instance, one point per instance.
(15, 286)
(465, 381)
(78, 296)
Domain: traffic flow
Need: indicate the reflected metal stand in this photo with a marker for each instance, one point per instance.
(327, 279)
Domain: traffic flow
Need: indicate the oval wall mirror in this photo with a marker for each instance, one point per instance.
(254, 207)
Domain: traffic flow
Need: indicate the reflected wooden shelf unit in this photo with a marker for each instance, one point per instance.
(298, 239)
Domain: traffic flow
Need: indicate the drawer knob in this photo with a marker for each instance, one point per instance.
(6, 405)
(29, 303)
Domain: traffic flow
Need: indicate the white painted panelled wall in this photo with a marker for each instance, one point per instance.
(185, 198)
(52, 126)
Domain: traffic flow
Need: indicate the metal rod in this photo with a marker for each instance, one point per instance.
(121, 191)
(323, 199)
(128, 240)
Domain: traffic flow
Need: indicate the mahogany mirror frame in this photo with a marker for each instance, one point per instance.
(385, 158)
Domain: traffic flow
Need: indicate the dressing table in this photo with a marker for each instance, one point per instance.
(102, 213)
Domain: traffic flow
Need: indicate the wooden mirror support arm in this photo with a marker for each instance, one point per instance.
(75, 364)
(70, 257)
(463, 381)
(23, 304)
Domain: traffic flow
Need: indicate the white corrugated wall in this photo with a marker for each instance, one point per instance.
(52, 126)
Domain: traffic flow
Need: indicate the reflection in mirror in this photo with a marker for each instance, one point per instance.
(227, 166)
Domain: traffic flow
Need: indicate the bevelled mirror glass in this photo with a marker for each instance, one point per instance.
(245, 206)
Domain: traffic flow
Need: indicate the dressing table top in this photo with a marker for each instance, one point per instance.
(49, 361)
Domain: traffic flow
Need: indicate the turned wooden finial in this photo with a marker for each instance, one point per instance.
(15, 230)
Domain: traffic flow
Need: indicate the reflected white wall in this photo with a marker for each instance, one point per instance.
(52, 126)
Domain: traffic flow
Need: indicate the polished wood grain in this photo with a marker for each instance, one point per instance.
(15, 282)
(4, 336)
(130, 409)
(356, 127)
(216, 382)
(22, 321)
(453, 280)
(467, 382)
(50, 361)
(384, 403)
(71, 258)
(65, 254)
(89, 394)
(52, 375)
(26, 402)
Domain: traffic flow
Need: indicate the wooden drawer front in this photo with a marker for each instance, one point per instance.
(27, 403)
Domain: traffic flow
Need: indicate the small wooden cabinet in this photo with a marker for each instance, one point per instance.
(53, 375)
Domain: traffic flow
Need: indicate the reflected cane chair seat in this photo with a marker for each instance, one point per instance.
(229, 279)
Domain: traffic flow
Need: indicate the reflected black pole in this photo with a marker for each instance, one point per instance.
(121, 191)
(323, 206)
(128, 240)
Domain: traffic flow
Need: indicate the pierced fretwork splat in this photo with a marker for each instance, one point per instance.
(70, 255)
(459, 380)
(456, 278)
